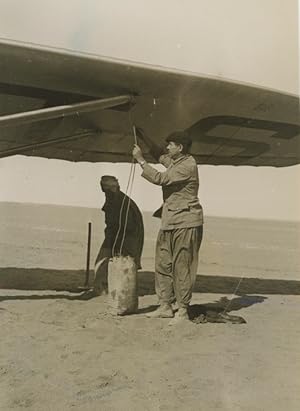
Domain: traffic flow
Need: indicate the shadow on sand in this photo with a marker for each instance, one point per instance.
(227, 285)
(73, 280)
(250, 290)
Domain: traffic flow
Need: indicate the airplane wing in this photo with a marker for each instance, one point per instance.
(80, 107)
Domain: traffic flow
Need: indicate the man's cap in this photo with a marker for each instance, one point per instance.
(180, 137)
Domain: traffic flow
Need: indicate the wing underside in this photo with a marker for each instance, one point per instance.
(59, 104)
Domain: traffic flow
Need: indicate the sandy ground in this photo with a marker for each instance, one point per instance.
(62, 353)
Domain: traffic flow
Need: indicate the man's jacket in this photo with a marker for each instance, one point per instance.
(180, 184)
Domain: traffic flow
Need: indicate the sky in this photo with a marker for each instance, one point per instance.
(252, 41)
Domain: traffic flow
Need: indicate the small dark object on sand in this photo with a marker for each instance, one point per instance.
(215, 317)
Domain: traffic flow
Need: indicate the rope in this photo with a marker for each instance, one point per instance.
(127, 196)
(130, 185)
(132, 171)
(241, 278)
(120, 226)
(234, 293)
(134, 134)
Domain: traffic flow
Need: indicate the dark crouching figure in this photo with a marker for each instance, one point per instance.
(124, 231)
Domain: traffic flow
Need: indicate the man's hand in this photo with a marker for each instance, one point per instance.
(154, 149)
(137, 153)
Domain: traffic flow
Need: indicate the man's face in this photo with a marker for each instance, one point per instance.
(174, 150)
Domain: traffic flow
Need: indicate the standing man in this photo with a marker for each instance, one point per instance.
(180, 236)
(124, 231)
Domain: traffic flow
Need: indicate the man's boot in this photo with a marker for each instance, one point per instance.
(180, 316)
(163, 311)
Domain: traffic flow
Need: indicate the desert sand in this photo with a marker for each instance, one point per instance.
(59, 352)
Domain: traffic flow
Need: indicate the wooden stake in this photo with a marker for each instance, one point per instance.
(87, 273)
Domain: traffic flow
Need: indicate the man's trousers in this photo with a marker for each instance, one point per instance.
(176, 263)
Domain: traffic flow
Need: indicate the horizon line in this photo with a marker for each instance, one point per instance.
(149, 211)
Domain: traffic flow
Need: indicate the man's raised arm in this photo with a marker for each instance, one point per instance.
(156, 151)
